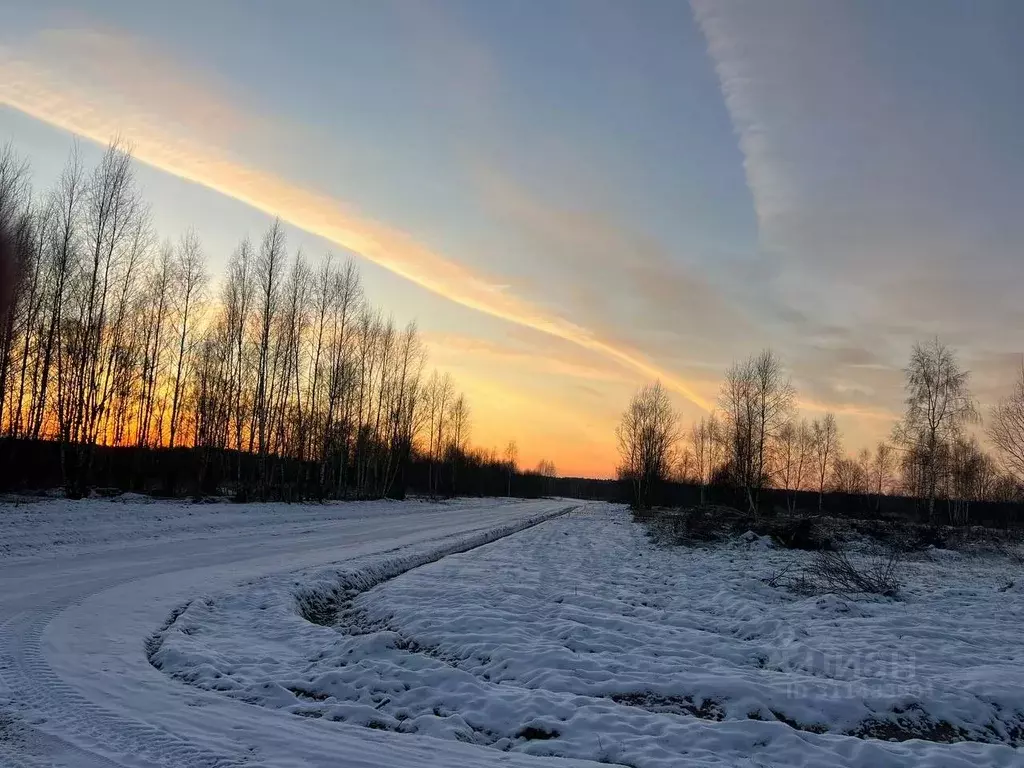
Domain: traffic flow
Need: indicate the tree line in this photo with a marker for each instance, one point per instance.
(756, 439)
(280, 374)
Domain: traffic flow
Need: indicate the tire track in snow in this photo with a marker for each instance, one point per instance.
(321, 607)
(35, 691)
(49, 721)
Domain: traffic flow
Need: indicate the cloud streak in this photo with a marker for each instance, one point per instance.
(68, 89)
(457, 346)
(768, 184)
(885, 196)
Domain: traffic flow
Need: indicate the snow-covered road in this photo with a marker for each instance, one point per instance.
(582, 638)
(83, 585)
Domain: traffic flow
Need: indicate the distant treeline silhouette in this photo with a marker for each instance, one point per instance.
(122, 364)
(184, 472)
(755, 448)
(31, 466)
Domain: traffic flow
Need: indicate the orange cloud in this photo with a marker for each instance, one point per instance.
(57, 80)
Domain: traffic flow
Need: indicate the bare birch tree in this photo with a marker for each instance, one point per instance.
(460, 415)
(756, 402)
(511, 462)
(1006, 429)
(437, 402)
(938, 406)
(826, 452)
(794, 451)
(188, 288)
(708, 446)
(648, 434)
(881, 471)
(237, 299)
(16, 223)
(269, 274)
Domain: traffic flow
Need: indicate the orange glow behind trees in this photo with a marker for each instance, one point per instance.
(112, 339)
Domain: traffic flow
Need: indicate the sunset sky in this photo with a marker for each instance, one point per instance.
(575, 198)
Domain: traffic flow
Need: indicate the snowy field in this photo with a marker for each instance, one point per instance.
(33, 528)
(85, 585)
(578, 638)
(479, 633)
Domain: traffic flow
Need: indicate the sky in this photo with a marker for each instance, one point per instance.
(576, 197)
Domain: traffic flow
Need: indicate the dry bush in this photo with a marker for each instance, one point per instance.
(796, 532)
(782, 577)
(832, 571)
(696, 525)
(711, 523)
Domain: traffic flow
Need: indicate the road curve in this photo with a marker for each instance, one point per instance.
(77, 690)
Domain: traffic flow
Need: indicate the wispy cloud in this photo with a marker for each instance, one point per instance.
(600, 254)
(874, 155)
(96, 91)
(769, 185)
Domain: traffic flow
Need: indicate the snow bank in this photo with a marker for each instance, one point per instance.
(577, 638)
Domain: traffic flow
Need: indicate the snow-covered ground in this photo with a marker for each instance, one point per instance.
(85, 585)
(579, 638)
(35, 528)
(477, 633)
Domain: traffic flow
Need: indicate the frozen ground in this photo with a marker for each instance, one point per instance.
(85, 585)
(578, 638)
(33, 528)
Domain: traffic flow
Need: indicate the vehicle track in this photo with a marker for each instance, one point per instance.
(55, 721)
(37, 695)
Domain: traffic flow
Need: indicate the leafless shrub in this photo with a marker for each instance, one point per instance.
(832, 571)
(708, 523)
(781, 577)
